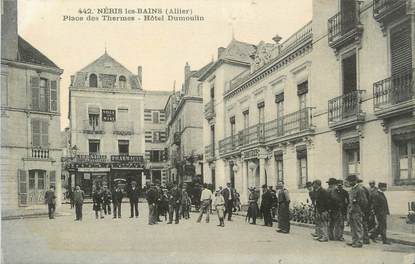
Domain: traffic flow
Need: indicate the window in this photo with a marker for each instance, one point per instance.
(349, 74)
(94, 146)
(122, 81)
(156, 155)
(246, 118)
(147, 115)
(401, 49)
(93, 81)
(148, 137)
(123, 147)
(40, 131)
(155, 117)
(199, 89)
(37, 186)
(232, 122)
(156, 136)
(43, 87)
(212, 138)
(93, 120)
(405, 165)
(279, 166)
(212, 90)
(279, 100)
(302, 90)
(302, 167)
(353, 162)
(261, 116)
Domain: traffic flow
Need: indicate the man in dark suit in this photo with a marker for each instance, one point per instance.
(133, 196)
(357, 207)
(228, 196)
(50, 200)
(266, 205)
(152, 196)
(117, 200)
(322, 200)
(175, 198)
(381, 208)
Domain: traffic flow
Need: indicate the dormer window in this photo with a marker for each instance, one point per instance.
(122, 81)
(93, 80)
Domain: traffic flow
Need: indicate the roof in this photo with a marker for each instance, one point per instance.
(28, 54)
(202, 70)
(154, 99)
(236, 52)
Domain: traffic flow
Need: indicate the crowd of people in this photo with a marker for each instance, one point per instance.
(364, 209)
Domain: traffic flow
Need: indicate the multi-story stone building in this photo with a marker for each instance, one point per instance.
(106, 117)
(30, 120)
(336, 98)
(184, 113)
(155, 135)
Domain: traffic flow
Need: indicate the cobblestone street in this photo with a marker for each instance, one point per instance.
(40, 240)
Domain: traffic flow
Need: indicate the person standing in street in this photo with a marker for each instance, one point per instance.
(343, 203)
(357, 206)
(107, 200)
(219, 204)
(78, 199)
(322, 206)
(205, 199)
(317, 224)
(253, 205)
(117, 201)
(50, 200)
(381, 208)
(133, 195)
(334, 212)
(367, 212)
(185, 205)
(174, 203)
(266, 205)
(97, 200)
(229, 197)
(283, 209)
(151, 196)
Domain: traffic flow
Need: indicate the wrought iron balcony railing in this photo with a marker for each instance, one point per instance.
(394, 90)
(228, 144)
(93, 127)
(210, 152)
(123, 128)
(340, 24)
(345, 106)
(40, 153)
(251, 135)
(210, 110)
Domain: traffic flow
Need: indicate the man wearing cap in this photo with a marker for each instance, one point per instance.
(381, 208)
(50, 200)
(133, 196)
(266, 205)
(151, 196)
(322, 206)
(283, 209)
(312, 196)
(175, 198)
(335, 211)
(205, 199)
(366, 212)
(253, 205)
(357, 206)
(229, 196)
(343, 196)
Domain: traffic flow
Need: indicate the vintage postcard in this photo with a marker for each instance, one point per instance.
(207, 131)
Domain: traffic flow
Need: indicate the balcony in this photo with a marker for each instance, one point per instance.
(93, 127)
(386, 11)
(210, 110)
(394, 95)
(228, 145)
(40, 153)
(251, 135)
(344, 28)
(123, 128)
(210, 153)
(345, 110)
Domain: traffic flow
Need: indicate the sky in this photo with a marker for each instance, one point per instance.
(161, 48)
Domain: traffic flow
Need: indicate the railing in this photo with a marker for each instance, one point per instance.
(210, 109)
(177, 137)
(40, 153)
(380, 6)
(91, 126)
(123, 128)
(210, 152)
(394, 90)
(251, 135)
(341, 23)
(228, 144)
(289, 124)
(345, 106)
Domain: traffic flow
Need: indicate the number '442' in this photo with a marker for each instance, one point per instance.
(85, 11)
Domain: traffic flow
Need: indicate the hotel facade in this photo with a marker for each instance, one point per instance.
(336, 98)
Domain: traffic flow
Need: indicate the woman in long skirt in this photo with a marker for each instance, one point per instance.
(283, 209)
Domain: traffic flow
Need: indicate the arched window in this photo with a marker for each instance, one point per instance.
(122, 82)
(93, 81)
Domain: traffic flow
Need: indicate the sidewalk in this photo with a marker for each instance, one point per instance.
(398, 231)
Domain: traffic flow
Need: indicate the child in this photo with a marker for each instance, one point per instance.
(220, 207)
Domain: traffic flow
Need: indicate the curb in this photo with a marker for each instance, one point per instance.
(36, 215)
(346, 232)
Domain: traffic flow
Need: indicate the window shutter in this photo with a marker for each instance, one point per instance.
(53, 96)
(46, 107)
(22, 188)
(148, 136)
(36, 135)
(401, 50)
(34, 87)
(45, 133)
(52, 178)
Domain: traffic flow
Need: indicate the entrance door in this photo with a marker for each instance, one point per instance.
(37, 186)
(232, 174)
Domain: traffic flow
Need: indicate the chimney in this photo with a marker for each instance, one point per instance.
(9, 36)
(72, 79)
(186, 70)
(140, 74)
(220, 51)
